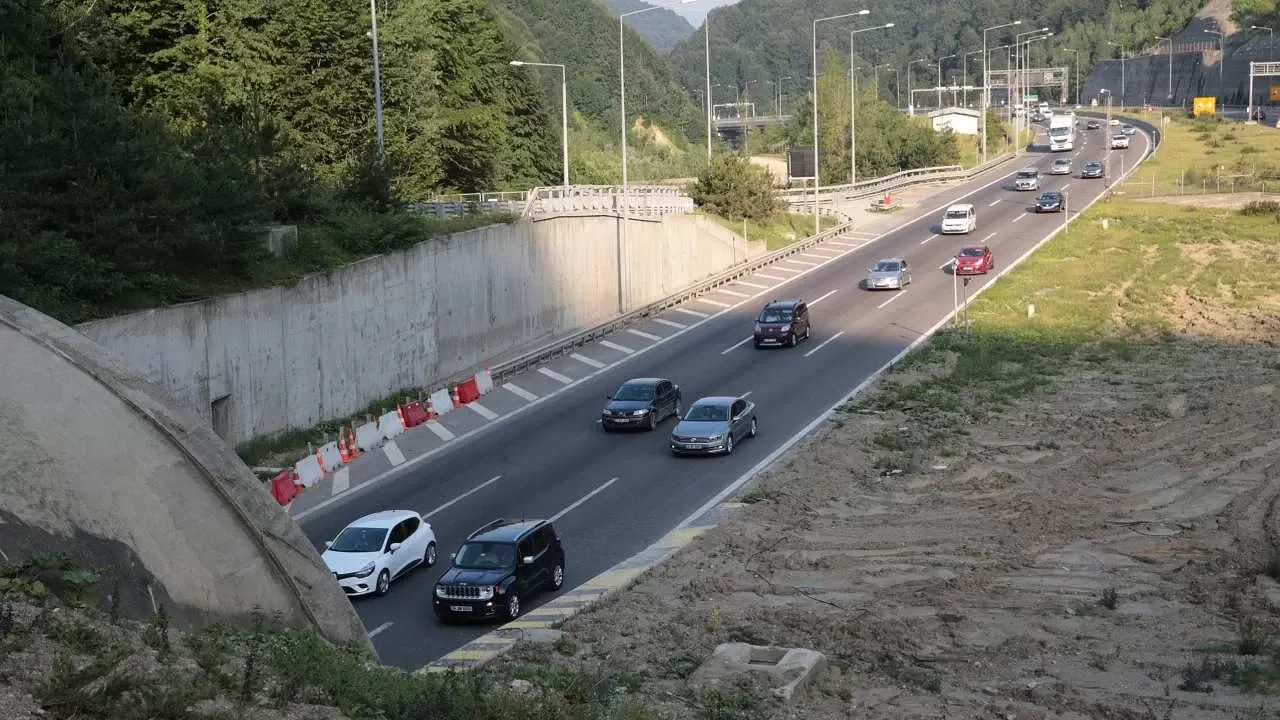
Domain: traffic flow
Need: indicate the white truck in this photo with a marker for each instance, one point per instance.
(1062, 130)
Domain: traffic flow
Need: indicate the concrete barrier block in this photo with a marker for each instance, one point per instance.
(368, 437)
(390, 425)
(441, 401)
(484, 381)
(308, 469)
(330, 456)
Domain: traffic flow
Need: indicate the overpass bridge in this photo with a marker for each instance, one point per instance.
(733, 128)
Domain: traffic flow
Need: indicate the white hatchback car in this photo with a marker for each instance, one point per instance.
(378, 548)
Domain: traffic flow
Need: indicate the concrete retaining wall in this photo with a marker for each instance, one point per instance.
(271, 360)
(98, 464)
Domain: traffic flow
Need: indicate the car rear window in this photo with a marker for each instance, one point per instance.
(887, 266)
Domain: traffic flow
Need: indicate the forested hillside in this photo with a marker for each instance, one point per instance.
(1264, 13)
(764, 40)
(663, 29)
(144, 145)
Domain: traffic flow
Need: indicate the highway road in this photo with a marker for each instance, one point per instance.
(611, 495)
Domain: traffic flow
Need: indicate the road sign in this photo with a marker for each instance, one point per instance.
(1275, 93)
(1204, 106)
(1030, 97)
(800, 163)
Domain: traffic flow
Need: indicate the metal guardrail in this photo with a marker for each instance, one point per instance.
(867, 188)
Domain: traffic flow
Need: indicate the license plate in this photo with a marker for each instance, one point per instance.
(460, 608)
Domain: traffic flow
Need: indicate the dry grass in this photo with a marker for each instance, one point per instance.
(1209, 156)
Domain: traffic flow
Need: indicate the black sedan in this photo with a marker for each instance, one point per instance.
(641, 403)
(1092, 170)
(1049, 202)
(1093, 125)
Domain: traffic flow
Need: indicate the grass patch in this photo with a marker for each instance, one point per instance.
(779, 231)
(1206, 154)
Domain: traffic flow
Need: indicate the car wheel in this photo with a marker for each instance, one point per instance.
(807, 330)
(679, 412)
(792, 342)
(755, 428)
(653, 421)
(513, 606)
(728, 444)
(429, 557)
(557, 576)
(384, 583)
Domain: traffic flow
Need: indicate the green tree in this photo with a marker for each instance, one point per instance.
(734, 188)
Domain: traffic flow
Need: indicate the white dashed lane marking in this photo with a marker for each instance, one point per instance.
(784, 269)
(615, 346)
(341, 480)
(842, 244)
(588, 361)
(736, 345)
(428, 515)
(520, 392)
(994, 203)
(801, 262)
(769, 277)
(555, 376)
(733, 293)
(581, 500)
(645, 335)
(823, 297)
(687, 311)
(897, 295)
(928, 239)
(374, 632)
(441, 431)
(1019, 217)
(392, 451)
(716, 303)
(824, 343)
(757, 286)
(670, 323)
(482, 411)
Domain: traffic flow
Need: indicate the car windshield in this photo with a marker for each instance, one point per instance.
(887, 266)
(776, 316)
(1061, 163)
(971, 252)
(1050, 197)
(359, 540)
(1026, 173)
(1094, 166)
(957, 214)
(707, 413)
(634, 391)
(485, 556)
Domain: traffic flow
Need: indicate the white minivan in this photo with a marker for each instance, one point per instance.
(961, 219)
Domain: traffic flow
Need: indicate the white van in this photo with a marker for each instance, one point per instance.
(962, 219)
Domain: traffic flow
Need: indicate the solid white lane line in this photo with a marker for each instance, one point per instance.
(1064, 187)
(801, 262)
(581, 500)
(392, 451)
(733, 293)
(588, 361)
(897, 295)
(737, 345)
(985, 239)
(643, 334)
(670, 323)
(463, 496)
(778, 268)
(520, 392)
(928, 239)
(716, 303)
(1019, 217)
(769, 277)
(824, 297)
(757, 286)
(483, 411)
(615, 346)
(562, 379)
(341, 480)
(687, 311)
(441, 431)
(841, 244)
(824, 343)
(994, 202)
(374, 632)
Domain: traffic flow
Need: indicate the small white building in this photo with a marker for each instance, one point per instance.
(961, 121)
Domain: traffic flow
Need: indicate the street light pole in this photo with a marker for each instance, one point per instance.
(1159, 39)
(986, 84)
(1077, 52)
(1222, 60)
(377, 77)
(944, 57)
(564, 112)
(1271, 40)
(706, 27)
(1123, 52)
(817, 163)
(911, 98)
(853, 104)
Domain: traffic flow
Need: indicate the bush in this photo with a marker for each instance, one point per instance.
(1261, 208)
(734, 188)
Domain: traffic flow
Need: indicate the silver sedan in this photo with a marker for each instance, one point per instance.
(713, 425)
(890, 274)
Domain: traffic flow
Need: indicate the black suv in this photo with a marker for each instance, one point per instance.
(641, 403)
(782, 322)
(500, 564)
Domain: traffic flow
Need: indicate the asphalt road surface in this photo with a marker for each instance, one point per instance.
(612, 495)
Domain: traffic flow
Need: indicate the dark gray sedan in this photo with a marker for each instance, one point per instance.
(640, 404)
(713, 425)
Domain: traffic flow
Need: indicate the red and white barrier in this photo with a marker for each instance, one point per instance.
(484, 381)
(414, 414)
(468, 391)
(284, 487)
(330, 457)
(441, 401)
(369, 437)
(390, 426)
(308, 471)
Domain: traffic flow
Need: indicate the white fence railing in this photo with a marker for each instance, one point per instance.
(800, 197)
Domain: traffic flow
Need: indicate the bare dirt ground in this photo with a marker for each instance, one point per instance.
(1086, 536)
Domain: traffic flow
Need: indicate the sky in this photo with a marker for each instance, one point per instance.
(694, 12)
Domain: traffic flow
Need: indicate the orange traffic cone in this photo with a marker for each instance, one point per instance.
(353, 446)
(342, 446)
(320, 461)
(431, 410)
(453, 395)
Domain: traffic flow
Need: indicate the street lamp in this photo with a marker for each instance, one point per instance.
(897, 86)
(944, 57)
(986, 76)
(1123, 53)
(564, 112)
(377, 77)
(622, 91)
(1271, 40)
(1077, 52)
(778, 88)
(911, 98)
(706, 49)
(853, 104)
(1222, 59)
(817, 181)
(1160, 39)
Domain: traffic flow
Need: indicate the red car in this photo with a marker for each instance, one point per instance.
(974, 260)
